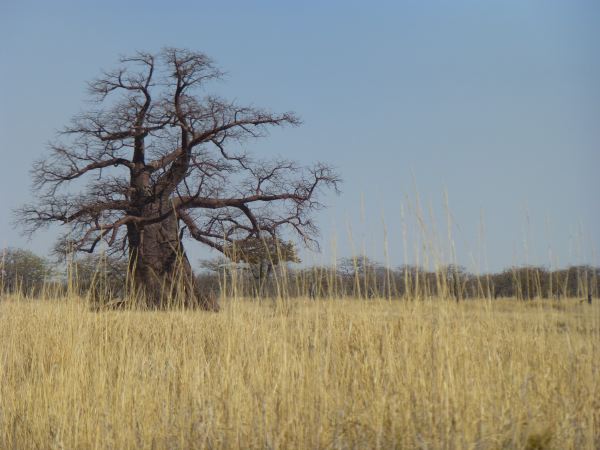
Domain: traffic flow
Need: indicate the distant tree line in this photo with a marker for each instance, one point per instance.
(257, 274)
(362, 277)
(22, 271)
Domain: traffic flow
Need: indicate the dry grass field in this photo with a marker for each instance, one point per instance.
(301, 374)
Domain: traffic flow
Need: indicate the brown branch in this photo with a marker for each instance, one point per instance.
(164, 161)
(196, 233)
(214, 203)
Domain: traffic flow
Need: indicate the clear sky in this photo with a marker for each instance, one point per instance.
(496, 103)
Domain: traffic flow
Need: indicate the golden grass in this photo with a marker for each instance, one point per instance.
(301, 374)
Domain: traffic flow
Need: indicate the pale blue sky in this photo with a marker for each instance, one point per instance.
(495, 102)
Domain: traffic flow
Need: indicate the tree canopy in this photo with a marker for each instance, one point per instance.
(156, 159)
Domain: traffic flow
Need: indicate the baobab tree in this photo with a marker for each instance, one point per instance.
(155, 161)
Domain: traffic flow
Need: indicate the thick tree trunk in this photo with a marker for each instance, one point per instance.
(160, 269)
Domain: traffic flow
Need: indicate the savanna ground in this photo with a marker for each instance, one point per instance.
(301, 374)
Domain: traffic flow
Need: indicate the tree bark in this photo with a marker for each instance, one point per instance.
(159, 268)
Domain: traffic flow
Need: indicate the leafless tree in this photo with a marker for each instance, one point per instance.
(156, 160)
